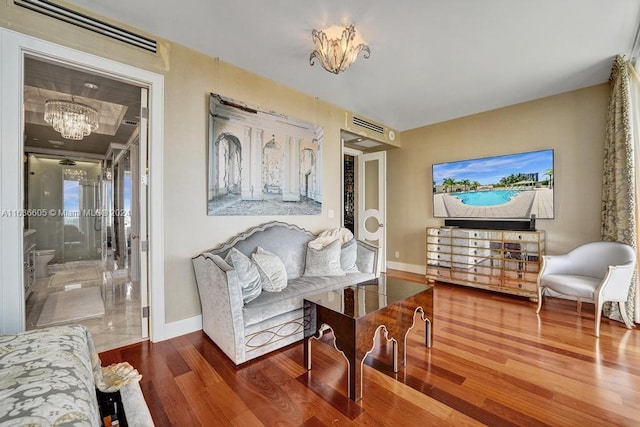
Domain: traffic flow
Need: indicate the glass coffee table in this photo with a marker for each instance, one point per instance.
(355, 314)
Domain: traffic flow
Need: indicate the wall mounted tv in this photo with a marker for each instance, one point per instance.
(513, 186)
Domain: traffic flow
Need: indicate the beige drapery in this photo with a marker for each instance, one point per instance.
(619, 189)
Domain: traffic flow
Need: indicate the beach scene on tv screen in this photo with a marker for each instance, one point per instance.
(513, 186)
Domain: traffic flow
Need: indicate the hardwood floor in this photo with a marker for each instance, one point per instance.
(493, 362)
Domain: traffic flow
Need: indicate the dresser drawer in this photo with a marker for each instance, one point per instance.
(521, 275)
(438, 271)
(516, 236)
(437, 240)
(438, 256)
(439, 232)
(475, 278)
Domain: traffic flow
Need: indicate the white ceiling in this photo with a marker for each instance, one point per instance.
(431, 60)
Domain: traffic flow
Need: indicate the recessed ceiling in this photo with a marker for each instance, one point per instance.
(118, 105)
(431, 60)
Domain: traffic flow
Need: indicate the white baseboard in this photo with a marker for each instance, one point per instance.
(411, 268)
(182, 327)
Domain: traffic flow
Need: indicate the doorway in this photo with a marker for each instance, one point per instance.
(86, 187)
(364, 191)
(17, 50)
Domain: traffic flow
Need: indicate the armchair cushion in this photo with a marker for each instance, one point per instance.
(577, 286)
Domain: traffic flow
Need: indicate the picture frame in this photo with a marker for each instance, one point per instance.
(261, 162)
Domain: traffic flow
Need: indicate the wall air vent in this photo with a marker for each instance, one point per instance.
(130, 122)
(368, 125)
(76, 18)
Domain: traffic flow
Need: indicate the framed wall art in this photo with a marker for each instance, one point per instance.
(261, 162)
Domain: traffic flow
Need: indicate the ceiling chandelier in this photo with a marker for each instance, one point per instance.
(337, 54)
(72, 119)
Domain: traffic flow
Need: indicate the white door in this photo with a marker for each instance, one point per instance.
(372, 194)
(141, 230)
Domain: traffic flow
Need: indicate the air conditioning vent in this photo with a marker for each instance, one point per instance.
(76, 18)
(130, 122)
(368, 125)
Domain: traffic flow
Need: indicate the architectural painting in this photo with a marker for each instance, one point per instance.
(261, 162)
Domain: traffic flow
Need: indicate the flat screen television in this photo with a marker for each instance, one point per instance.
(512, 186)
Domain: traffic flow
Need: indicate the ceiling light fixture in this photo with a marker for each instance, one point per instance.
(72, 119)
(337, 54)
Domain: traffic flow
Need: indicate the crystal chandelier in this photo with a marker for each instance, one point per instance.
(72, 119)
(337, 54)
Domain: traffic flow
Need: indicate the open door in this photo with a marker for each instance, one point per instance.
(372, 191)
(140, 225)
(128, 236)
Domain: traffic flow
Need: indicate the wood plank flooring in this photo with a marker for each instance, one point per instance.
(493, 362)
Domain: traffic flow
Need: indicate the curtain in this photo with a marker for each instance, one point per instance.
(634, 119)
(619, 180)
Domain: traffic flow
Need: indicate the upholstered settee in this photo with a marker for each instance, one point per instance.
(245, 325)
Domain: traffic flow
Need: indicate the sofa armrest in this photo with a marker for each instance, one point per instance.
(221, 299)
(367, 261)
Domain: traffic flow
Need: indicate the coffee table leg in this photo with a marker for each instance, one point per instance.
(307, 352)
(355, 391)
(399, 352)
(427, 332)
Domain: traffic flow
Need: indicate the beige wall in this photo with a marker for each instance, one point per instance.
(189, 78)
(572, 124)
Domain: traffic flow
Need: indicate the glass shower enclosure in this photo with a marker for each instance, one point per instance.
(64, 197)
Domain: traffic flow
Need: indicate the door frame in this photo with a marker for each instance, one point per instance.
(381, 158)
(13, 48)
(360, 188)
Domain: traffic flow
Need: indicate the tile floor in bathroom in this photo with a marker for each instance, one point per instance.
(119, 326)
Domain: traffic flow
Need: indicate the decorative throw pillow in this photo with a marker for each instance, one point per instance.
(348, 257)
(273, 273)
(248, 274)
(325, 261)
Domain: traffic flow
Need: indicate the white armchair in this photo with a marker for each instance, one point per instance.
(597, 271)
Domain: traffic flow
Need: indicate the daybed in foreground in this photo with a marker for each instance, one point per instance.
(49, 377)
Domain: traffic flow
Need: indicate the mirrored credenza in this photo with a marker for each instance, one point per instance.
(497, 260)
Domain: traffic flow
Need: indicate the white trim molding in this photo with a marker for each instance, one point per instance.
(183, 327)
(410, 268)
